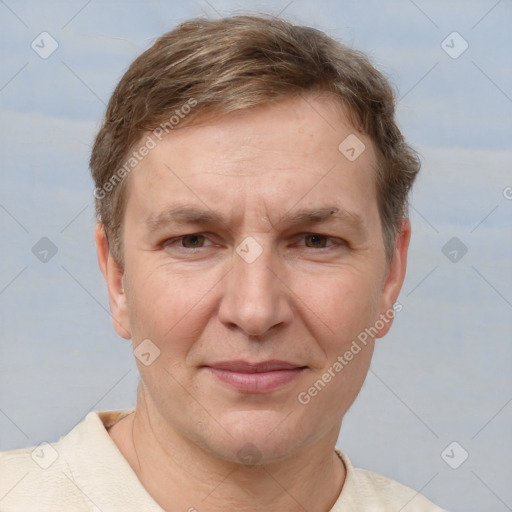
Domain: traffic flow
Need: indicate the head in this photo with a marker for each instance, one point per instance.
(251, 195)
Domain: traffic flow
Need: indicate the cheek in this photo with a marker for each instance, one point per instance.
(342, 303)
(164, 302)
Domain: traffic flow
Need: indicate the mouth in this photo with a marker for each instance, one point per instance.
(260, 377)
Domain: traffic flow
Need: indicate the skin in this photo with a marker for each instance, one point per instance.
(304, 299)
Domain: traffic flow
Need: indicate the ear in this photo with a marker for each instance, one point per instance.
(113, 275)
(395, 278)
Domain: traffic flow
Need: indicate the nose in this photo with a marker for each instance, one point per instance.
(255, 298)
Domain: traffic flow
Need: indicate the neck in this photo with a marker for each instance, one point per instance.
(181, 476)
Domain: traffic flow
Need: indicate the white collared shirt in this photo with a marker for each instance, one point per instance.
(85, 472)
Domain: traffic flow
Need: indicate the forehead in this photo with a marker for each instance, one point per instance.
(297, 148)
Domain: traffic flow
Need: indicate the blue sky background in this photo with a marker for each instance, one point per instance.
(441, 375)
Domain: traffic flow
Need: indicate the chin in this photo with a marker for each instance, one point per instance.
(259, 436)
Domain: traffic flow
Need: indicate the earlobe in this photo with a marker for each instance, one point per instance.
(395, 277)
(114, 278)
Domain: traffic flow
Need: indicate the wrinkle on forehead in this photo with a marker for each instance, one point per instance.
(256, 167)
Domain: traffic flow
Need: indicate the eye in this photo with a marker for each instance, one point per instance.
(192, 241)
(317, 241)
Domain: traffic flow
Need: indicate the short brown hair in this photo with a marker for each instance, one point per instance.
(240, 62)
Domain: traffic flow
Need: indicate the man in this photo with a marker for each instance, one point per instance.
(251, 193)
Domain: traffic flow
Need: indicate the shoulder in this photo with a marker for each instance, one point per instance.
(55, 476)
(36, 478)
(369, 491)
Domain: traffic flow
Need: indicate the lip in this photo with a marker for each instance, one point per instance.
(258, 377)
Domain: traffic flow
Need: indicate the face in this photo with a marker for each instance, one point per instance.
(253, 260)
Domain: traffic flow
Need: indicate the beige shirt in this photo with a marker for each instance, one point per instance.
(85, 471)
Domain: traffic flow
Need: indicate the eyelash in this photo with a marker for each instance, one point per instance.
(181, 238)
(334, 241)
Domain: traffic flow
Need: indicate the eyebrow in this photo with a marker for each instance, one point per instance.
(330, 214)
(182, 215)
(205, 217)
(316, 215)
